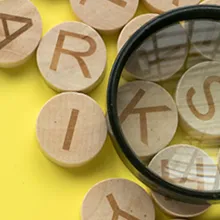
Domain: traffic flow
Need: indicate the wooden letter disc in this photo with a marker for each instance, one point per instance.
(160, 6)
(160, 56)
(198, 101)
(105, 15)
(71, 129)
(148, 116)
(117, 199)
(72, 57)
(178, 209)
(133, 26)
(20, 31)
(186, 166)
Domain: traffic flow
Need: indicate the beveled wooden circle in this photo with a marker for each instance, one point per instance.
(72, 57)
(144, 110)
(198, 101)
(178, 209)
(71, 129)
(186, 166)
(160, 56)
(133, 26)
(105, 15)
(20, 32)
(160, 6)
(117, 199)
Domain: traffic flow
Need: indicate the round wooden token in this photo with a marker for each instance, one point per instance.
(186, 166)
(160, 6)
(105, 15)
(178, 209)
(204, 38)
(20, 31)
(160, 56)
(198, 101)
(117, 199)
(71, 129)
(72, 57)
(145, 109)
(133, 26)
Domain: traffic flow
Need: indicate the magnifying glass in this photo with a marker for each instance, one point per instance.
(164, 105)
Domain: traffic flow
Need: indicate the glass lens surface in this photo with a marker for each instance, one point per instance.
(168, 104)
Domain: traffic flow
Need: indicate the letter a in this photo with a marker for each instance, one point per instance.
(77, 55)
(10, 37)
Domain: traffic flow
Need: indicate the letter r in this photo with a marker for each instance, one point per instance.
(77, 55)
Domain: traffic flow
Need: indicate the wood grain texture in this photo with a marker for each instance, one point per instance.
(211, 37)
(145, 109)
(143, 159)
(204, 39)
(114, 199)
(179, 209)
(160, 6)
(160, 56)
(72, 57)
(133, 26)
(198, 101)
(71, 129)
(186, 166)
(107, 16)
(20, 32)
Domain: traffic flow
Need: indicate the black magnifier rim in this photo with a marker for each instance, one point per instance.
(210, 12)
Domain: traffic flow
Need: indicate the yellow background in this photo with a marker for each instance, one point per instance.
(33, 188)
